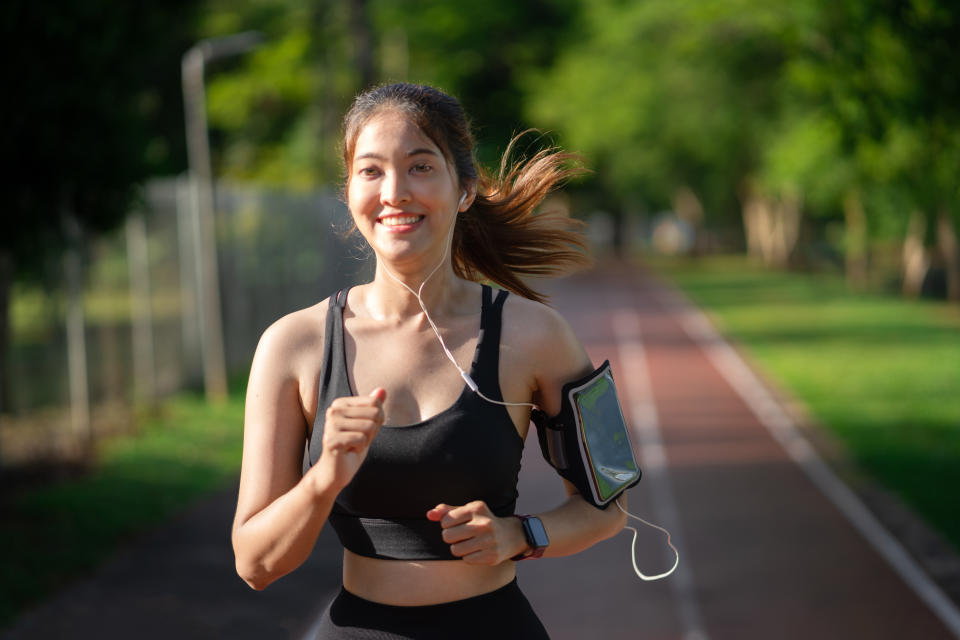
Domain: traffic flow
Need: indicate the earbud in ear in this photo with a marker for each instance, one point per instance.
(462, 198)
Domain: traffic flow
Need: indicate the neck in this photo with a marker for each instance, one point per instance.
(404, 291)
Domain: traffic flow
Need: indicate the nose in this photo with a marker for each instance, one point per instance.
(394, 190)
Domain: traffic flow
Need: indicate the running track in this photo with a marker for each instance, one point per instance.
(766, 553)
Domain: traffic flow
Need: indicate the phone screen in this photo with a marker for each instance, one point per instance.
(603, 432)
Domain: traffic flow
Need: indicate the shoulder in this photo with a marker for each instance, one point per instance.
(535, 325)
(293, 335)
(546, 346)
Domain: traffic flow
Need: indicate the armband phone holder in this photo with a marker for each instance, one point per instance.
(588, 442)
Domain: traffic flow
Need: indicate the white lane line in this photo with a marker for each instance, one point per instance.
(781, 426)
(313, 631)
(646, 427)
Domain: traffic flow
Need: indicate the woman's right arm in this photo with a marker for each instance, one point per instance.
(279, 513)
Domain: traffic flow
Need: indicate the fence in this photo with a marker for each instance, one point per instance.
(139, 328)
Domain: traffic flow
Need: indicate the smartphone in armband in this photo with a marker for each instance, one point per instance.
(588, 442)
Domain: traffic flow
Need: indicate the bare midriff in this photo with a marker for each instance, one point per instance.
(420, 582)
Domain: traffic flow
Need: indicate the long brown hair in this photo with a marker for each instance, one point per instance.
(503, 235)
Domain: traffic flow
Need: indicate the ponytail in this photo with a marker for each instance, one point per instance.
(504, 236)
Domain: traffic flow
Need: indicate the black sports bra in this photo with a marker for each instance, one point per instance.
(470, 451)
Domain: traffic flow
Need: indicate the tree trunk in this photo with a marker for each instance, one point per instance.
(361, 39)
(916, 260)
(689, 209)
(855, 245)
(772, 227)
(788, 209)
(950, 248)
(754, 221)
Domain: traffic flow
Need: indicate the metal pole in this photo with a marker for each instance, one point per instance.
(76, 337)
(201, 179)
(138, 261)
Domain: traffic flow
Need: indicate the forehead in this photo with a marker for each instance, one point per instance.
(391, 133)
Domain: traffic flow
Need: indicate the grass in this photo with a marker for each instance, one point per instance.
(879, 371)
(56, 532)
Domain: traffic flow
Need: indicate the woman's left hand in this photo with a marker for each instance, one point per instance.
(476, 535)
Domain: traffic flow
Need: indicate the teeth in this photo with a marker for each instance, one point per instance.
(392, 221)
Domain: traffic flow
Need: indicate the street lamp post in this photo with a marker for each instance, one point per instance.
(201, 187)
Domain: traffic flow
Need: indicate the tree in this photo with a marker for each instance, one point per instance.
(880, 78)
(277, 115)
(673, 99)
(97, 110)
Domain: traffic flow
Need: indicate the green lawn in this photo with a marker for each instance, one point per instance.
(58, 531)
(879, 371)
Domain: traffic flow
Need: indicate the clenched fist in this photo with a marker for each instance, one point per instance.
(476, 535)
(351, 425)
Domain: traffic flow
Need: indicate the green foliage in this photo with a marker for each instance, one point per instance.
(878, 371)
(65, 529)
(276, 114)
(815, 99)
(481, 52)
(665, 95)
(97, 109)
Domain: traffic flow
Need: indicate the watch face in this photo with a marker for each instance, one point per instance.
(536, 533)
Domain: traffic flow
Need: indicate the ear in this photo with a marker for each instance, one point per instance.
(467, 197)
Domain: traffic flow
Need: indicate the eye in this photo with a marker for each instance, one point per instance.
(422, 167)
(368, 172)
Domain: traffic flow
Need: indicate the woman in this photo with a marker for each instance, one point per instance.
(415, 470)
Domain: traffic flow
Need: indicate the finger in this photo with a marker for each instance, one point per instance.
(365, 425)
(458, 533)
(380, 394)
(459, 515)
(356, 401)
(347, 441)
(470, 546)
(480, 557)
(354, 415)
(437, 513)
(355, 411)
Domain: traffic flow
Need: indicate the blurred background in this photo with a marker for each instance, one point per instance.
(174, 187)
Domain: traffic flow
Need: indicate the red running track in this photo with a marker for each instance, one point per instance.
(764, 553)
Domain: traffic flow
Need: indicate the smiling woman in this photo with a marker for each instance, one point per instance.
(355, 416)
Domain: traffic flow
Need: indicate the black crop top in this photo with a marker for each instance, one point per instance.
(470, 451)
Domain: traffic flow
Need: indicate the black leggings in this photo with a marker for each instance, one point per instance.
(502, 614)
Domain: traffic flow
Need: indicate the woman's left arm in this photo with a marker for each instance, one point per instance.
(558, 357)
(539, 342)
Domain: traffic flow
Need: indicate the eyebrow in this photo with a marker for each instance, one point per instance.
(414, 152)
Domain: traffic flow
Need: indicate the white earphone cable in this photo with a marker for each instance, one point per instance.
(463, 374)
(633, 546)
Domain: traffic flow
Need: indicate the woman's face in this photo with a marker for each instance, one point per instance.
(401, 191)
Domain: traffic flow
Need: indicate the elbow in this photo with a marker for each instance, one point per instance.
(256, 577)
(251, 569)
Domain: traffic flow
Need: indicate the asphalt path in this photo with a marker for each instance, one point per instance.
(770, 546)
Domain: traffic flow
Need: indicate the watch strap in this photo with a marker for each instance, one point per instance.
(534, 551)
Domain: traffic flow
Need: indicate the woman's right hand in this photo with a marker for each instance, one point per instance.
(351, 425)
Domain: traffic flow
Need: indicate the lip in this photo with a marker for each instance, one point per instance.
(400, 222)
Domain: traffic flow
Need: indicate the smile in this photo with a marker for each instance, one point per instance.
(397, 221)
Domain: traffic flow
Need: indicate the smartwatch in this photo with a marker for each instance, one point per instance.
(536, 537)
